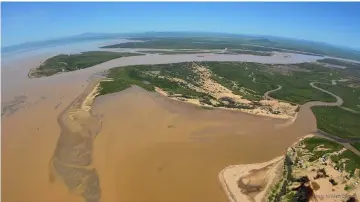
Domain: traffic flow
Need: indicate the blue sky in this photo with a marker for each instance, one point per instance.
(334, 23)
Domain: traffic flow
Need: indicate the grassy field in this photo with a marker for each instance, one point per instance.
(72, 62)
(337, 121)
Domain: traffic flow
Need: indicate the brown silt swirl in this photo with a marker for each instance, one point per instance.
(72, 159)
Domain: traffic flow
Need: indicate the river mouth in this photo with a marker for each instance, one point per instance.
(152, 148)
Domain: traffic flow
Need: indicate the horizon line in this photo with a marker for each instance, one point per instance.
(212, 32)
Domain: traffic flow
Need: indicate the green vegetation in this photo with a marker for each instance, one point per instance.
(182, 43)
(72, 62)
(348, 187)
(296, 87)
(229, 72)
(250, 80)
(300, 92)
(239, 42)
(235, 44)
(194, 51)
(275, 190)
(338, 122)
(356, 145)
(124, 77)
(289, 197)
(313, 142)
(340, 63)
(352, 161)
(350, 96)
(296, 166)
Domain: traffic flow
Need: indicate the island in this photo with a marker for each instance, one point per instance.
(72, 62)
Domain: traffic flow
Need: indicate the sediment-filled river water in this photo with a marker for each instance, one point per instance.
(149, 148)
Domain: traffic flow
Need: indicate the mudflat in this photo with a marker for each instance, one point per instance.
(150, 148)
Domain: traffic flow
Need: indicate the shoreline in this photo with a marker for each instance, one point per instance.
(197, 103)
(230, 176)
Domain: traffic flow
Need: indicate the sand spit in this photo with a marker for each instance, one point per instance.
(250, 182)
(72, 159)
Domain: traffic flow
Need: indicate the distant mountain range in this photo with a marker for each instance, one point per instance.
(271, 41)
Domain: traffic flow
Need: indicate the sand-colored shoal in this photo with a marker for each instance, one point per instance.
(230, 176)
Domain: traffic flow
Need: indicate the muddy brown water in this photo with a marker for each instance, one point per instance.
(150, 148)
